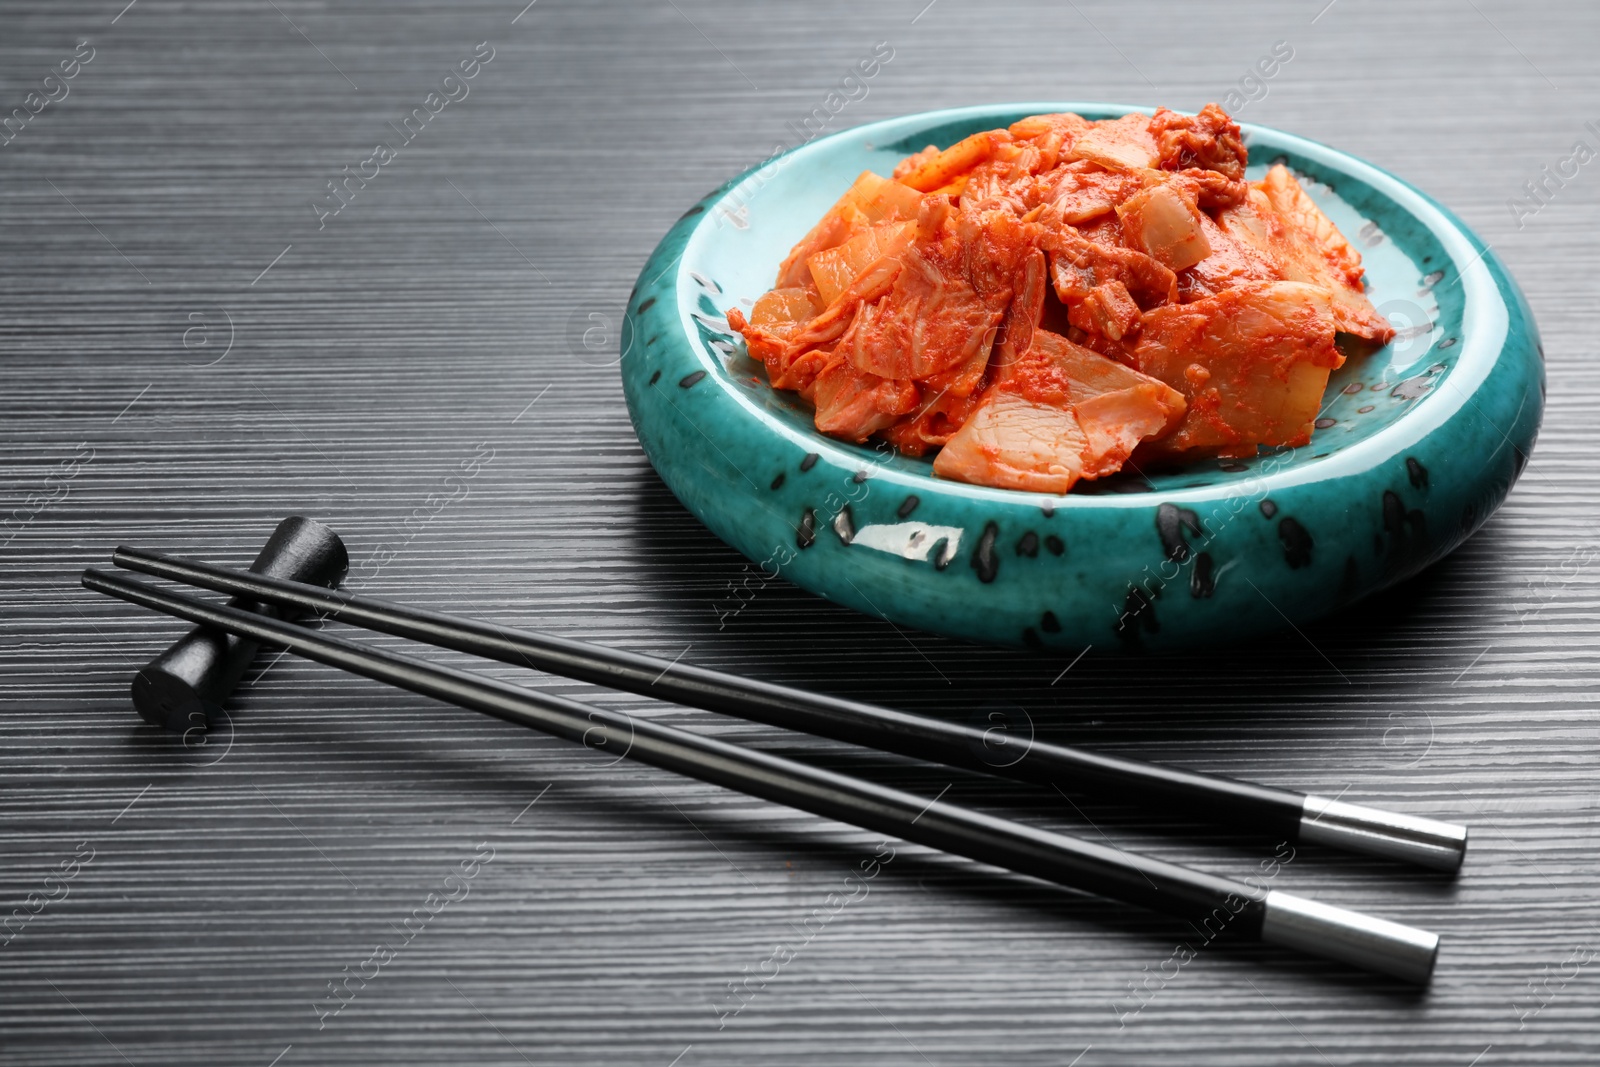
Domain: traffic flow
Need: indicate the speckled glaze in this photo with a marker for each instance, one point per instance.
(1419, 442)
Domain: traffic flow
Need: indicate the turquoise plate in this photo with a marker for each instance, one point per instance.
(1419, 442)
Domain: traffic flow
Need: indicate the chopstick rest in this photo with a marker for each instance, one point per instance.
(176, 689)
(1276, 814)
(1214, 903)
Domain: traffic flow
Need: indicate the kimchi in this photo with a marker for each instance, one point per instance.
(1036, 304)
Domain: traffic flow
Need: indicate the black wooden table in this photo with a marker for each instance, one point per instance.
(195, 345)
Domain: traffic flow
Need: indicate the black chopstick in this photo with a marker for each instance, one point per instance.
(1278, 814)
(1212, 903)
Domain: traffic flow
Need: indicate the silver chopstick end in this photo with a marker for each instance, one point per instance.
(1440, 845)
(1403, 952)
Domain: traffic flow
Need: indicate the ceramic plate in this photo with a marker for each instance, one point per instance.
(1418, 443)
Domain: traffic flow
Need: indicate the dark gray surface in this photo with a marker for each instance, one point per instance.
(231, 883)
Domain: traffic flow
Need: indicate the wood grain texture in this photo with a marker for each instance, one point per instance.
(231, 883)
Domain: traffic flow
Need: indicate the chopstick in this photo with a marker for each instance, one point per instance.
(1213, 903)
(1278, 814)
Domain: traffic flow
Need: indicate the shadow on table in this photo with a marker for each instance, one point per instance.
(1361, 676)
